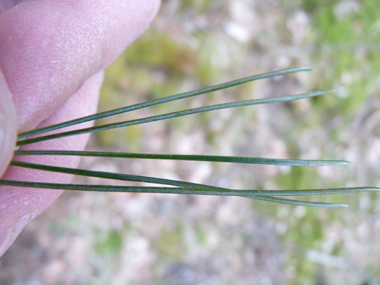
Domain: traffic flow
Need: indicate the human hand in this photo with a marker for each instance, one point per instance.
(52, 54)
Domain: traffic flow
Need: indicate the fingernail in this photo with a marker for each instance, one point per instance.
(1, 137)
(8, 125)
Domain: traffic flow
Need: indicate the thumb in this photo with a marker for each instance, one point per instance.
(8, 125)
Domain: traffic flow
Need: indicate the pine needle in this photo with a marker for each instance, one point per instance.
(175, 115)
(168, 190)
(163, 100)
(209, 158)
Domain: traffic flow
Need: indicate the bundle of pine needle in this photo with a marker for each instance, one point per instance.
(174, 186)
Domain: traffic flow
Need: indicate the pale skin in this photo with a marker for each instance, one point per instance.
(52, 56)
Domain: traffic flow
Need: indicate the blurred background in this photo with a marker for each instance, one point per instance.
(96, 238)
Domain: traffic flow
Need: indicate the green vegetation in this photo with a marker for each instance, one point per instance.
(171, 244)
(109, 243)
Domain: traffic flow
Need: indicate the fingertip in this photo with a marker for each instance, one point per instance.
(8, 125)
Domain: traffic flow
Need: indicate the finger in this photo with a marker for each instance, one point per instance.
(7, 4)
(49, 48)
(19, 205)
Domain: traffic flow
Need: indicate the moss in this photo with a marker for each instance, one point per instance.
(132, 136)
(200, 236)
(152, 49)
(202, 6)
(108, 243)
(171, 244)
(107, 138)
